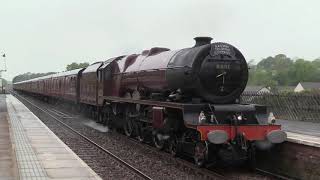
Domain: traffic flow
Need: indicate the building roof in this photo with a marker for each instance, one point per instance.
(255, 88)
(285, 88)
(310, 85)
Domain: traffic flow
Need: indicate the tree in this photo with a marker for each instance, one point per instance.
(276, 63)
(316, 63)
(281, 70)
(302, 71)
(29, 75)
(282, 78)
(75, 65)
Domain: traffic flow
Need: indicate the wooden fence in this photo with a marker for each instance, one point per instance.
(299, 107)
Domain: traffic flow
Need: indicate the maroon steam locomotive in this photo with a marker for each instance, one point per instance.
(186, 101)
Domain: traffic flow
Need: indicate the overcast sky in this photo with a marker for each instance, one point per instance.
(46, 35)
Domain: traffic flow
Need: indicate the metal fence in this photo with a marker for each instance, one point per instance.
(299, 107)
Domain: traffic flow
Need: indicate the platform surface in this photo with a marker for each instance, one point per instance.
(8, 169)
(39, 153)
(301, 127)
(301, 132)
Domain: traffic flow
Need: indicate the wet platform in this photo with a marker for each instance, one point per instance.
(8, 169)
(31, 150)
(301, 132)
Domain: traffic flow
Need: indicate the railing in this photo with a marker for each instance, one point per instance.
(294, 106)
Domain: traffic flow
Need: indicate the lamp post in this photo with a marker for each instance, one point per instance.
(3, 55)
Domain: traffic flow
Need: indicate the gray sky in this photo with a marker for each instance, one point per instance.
(46, 35)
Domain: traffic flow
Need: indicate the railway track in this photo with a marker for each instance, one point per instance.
(208, 174)
(277, 176)
(189, 164)
(48, 112)
(204, 173)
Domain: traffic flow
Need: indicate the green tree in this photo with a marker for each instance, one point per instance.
(29, 75)
(302, 71)
(276, 63)
(281, 77)
(75, 65)
(281, 70)
(271, 71)
(263, 78)
(316, 63)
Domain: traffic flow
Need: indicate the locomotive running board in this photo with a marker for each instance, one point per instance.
(144, 102)
(190, 111)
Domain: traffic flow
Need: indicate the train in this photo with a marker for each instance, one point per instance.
(184, 101)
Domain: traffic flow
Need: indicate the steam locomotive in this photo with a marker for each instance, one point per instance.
(186, 101)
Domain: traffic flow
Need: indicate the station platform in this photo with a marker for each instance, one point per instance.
(301, 132)
(30, 150)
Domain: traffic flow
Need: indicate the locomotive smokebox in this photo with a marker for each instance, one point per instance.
(200, 41)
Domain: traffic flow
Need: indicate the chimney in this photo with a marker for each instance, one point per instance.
(202, 41)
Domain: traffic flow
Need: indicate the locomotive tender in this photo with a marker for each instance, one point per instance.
(186, 101)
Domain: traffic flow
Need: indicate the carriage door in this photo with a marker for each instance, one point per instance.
(107, 80)
(100, 85)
